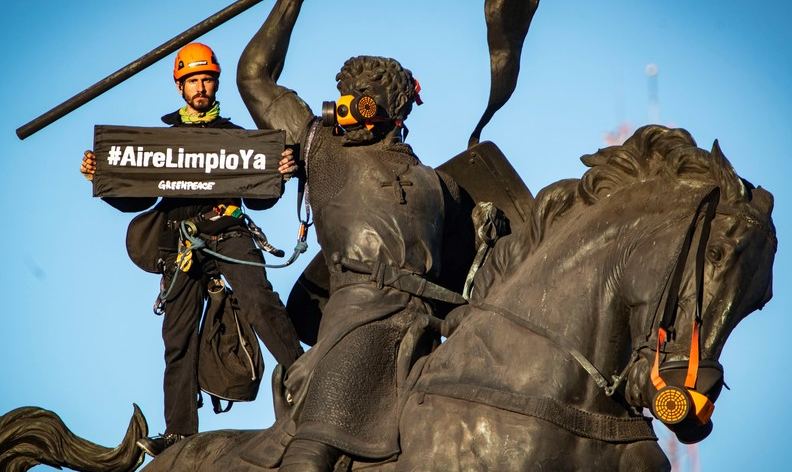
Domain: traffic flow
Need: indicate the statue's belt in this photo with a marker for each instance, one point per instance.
(579, 422)
(348, 272)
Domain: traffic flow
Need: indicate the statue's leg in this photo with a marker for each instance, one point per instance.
(306, 455)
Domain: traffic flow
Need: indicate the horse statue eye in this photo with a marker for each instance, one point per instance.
(715, 254)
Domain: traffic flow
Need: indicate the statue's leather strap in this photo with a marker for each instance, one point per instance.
(579, 422)
(595, 374)
(352, 272)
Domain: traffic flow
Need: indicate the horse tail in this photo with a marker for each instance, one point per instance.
(30, 436)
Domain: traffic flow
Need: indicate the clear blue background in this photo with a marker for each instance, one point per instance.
(78, 334)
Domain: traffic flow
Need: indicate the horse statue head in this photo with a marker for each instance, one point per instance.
(700, 265)
(618, 295)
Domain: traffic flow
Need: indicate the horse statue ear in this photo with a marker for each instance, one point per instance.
(759, 197)
(716, 149)
(716, 153)
(729, 179)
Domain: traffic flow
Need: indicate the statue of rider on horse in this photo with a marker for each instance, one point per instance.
(599, 299)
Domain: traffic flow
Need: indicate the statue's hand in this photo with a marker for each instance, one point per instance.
(453, 319)
(88, 165)
(286, 166)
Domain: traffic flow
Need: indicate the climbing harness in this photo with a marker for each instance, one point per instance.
(191, 239)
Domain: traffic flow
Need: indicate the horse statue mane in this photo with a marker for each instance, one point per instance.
(653, 151)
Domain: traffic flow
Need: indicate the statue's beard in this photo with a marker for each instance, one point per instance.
(360, 135)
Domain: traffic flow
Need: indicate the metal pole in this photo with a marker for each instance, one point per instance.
(134, 67)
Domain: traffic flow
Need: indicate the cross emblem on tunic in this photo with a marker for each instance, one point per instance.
(398, 188)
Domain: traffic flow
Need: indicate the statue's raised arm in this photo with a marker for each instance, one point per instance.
(271, 105)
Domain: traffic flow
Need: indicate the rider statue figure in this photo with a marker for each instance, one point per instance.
(380, 219)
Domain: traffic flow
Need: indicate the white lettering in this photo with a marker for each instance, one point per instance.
(128, 159)
(211, 162)
(169, 161)
(232, 162)
(245, 153)
(175, 185)
(158, 155)
(130, 156)
(194, 160)
(213, 156)
(260, 162)
(158, 159)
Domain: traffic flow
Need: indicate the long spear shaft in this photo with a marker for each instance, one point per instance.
(133, 68)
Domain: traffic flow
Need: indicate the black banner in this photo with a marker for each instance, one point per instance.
(186, 162)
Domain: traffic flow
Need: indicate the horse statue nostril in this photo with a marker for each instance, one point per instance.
(691, 432)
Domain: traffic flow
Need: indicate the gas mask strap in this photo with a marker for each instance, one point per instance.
(708, 204)
(711, 202)
(657, 380)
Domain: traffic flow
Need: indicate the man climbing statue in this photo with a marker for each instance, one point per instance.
(197, 76)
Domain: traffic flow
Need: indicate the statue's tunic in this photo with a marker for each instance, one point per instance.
(373, 204)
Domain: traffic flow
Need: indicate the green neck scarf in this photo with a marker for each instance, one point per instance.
(203, 117)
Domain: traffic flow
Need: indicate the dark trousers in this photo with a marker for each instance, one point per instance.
(259, 306)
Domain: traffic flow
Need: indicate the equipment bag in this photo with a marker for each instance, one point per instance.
(230, 364)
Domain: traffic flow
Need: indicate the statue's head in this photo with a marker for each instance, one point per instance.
(391, 86)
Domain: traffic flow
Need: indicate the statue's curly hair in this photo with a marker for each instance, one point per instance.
(369, 74)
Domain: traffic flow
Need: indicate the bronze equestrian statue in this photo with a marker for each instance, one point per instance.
(587, 281)
(551, 364)
(615, 293)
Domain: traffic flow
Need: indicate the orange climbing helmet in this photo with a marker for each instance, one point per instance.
(195, 57)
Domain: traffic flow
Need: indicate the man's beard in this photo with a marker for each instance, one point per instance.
(200, 102)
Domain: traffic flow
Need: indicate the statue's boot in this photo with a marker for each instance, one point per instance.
(266, 448)
(280, 402)
(305, 455)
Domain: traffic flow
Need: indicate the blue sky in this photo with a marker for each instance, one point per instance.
(80, 337)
